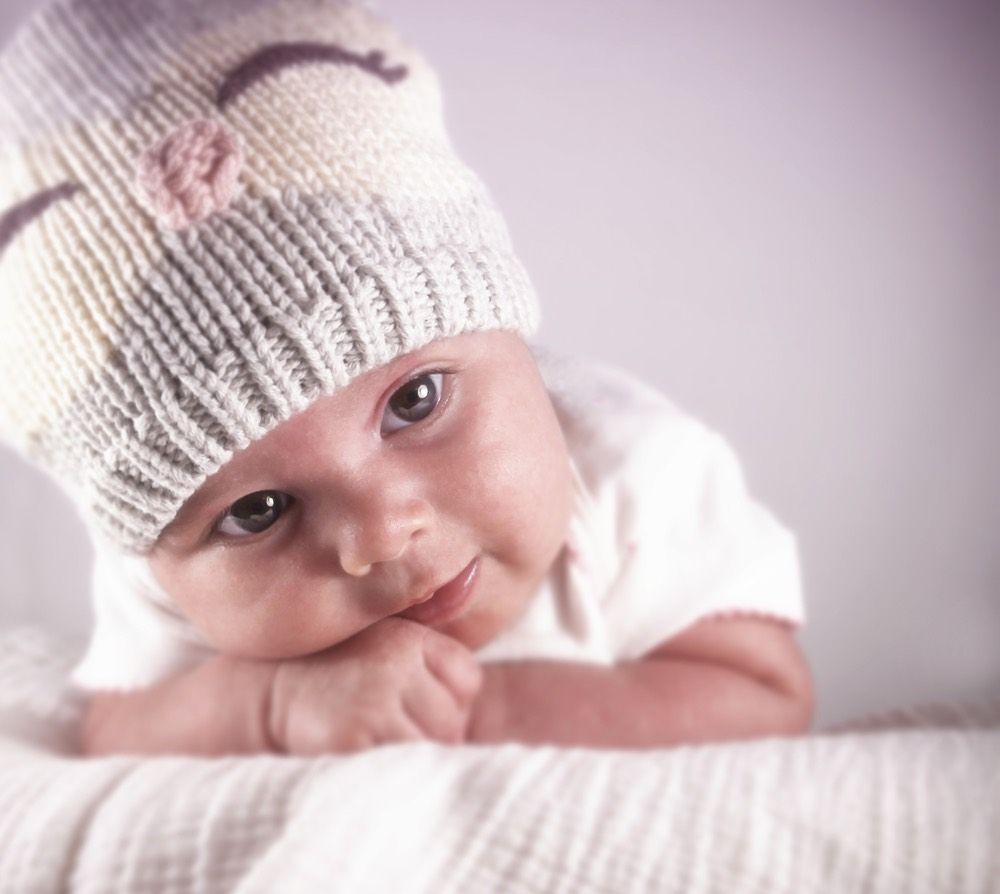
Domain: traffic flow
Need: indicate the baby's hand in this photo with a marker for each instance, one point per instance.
(395, 681)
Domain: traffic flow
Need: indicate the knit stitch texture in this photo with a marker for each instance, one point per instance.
(212, 213)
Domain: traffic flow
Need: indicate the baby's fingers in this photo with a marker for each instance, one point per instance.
(431, 707)
(454, 666)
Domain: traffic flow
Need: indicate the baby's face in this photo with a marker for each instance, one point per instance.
(449, 459)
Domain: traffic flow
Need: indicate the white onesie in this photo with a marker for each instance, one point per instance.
(663, 534)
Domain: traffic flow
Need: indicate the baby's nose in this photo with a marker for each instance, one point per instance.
(382, 536)
(354, 570)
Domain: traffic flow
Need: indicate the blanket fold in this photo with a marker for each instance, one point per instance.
(915, 808)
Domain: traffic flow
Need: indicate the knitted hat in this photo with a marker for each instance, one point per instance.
(213, 212)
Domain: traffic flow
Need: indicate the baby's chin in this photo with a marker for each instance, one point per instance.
(472, 631)
(487, 618)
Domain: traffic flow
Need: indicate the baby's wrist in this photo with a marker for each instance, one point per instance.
(249, 685)
(272, 708)
(487, 717)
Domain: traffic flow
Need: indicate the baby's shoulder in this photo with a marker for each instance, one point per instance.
(619, 428)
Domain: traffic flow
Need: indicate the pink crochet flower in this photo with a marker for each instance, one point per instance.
(191, 173)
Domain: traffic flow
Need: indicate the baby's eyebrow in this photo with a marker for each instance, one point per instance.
(275, 56)
(16, 218)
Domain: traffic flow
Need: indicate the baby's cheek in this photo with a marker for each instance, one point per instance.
(545, 506)
(288, 615)
(230, 629)
(273, 623)
(527, 491)
(233, 613)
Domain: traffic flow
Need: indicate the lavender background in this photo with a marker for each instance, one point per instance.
(786, 217)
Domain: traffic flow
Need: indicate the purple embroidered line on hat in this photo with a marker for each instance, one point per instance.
(20, 215)
(274, 57)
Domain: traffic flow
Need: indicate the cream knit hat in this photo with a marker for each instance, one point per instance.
(213, 212)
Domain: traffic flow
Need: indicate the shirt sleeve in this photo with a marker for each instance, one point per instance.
(139, 638)
(691, 541)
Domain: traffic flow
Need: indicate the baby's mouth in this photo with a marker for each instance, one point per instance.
(448, 600)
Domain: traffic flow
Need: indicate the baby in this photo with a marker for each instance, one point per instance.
(270, 334)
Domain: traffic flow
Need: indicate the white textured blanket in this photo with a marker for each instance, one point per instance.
(911, 806)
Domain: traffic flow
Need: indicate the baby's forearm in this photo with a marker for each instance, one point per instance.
(642, 704)
(219, 707)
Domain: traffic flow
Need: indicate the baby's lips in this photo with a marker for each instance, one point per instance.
(191, 173)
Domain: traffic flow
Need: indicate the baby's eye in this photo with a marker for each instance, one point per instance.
(253, 513)
(416, 400)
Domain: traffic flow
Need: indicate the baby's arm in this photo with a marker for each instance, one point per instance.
(722, 678)
(218, 707)
(394, 681)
